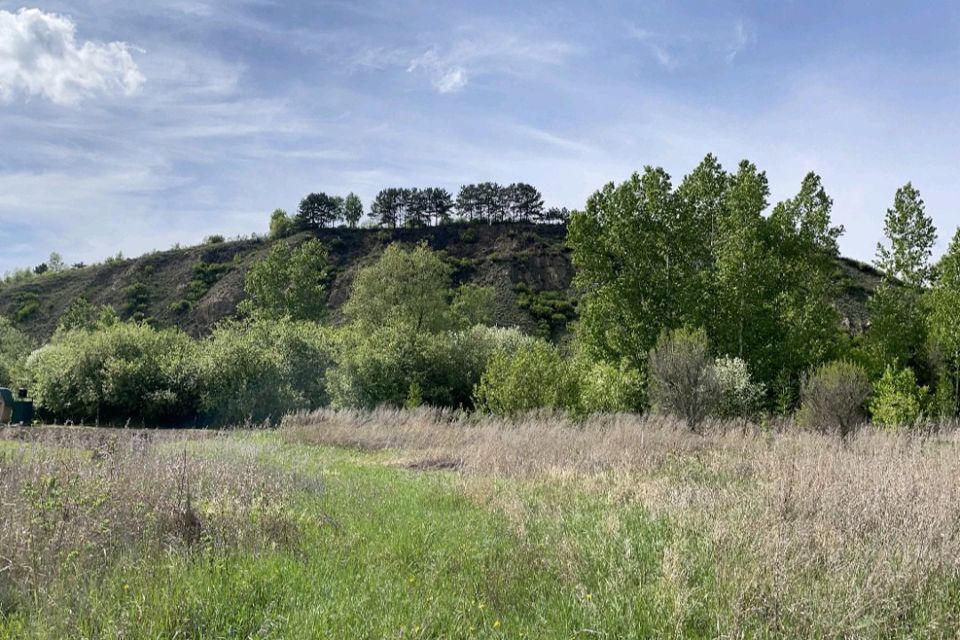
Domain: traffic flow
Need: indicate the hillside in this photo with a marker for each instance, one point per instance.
(194, 288)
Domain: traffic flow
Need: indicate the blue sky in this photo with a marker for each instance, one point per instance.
(134, 125)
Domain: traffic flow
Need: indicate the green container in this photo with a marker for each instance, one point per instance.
(21, 410)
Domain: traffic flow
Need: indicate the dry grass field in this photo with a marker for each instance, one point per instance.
(410, 524)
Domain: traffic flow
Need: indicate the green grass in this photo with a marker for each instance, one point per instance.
(384, 551)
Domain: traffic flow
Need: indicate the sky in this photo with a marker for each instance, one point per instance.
(131, 126)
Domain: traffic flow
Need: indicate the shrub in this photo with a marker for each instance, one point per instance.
(683, 379)
(380, 367)
(15, 346)
(533, 377)
(606, 387)
(214, 239)
(739, 397)
(259, 371)
(118, 372)
(289, 283)
(897, 399)
(833, 397)
(281, 225)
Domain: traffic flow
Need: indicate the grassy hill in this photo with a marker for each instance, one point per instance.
(194, 288)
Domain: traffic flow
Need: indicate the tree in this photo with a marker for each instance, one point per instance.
(468, 202)
(404, 287)
(631, 247)
(281, 224)
(834, 397)
(352, 210)
(318, 210)
(15, 346)
(289, 283)
(387, 207)
(683, 380)
(416, 206)
(805, 243)
(439, 204)
(525, 202)
(943, 320)
(911, 235)
(746, 321)
(56, 263)
(82, 315)
(897, 333)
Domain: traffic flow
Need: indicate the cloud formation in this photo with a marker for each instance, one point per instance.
(39, 56)
(445, 76)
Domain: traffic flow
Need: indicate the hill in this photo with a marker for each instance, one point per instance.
(193, 288)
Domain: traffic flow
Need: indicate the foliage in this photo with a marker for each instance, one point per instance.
(897, 399)
(606, 387)
(214, 239)
(552, 310)
(683, 379)
(289, 283)
(352, 210)
(472, 304)
(943, 324)
(911, 235)
(281, 225)
(833, 398)
(257, 371)
(15, 346)
(115, 373)
(739, 396)
(318, 210)
(536, 376)
(404, 287)
(81, 314)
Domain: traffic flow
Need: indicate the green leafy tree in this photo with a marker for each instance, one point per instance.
(81, 314)
(630, 246)
(911, 235)
(943, 322)
(15, 346)
(897, 333)
(318, 210)
(746, 324)
(534, 377)
(404, 287)
(897, 399)
(805, 242)
(352, 210)
(289, 283)
(281, 225)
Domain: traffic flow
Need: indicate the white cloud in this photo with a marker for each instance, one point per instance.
(39, 56)
(743, 37)
(445, 76)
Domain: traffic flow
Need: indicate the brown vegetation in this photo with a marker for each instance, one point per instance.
(801, 529)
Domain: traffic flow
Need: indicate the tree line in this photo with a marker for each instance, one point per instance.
(698, 299)
(395, 207)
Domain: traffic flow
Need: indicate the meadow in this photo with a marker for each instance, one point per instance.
(428, 523)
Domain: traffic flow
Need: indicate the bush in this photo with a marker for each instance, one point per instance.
(739, 397)
(683, 379)
(533, 377)
(833, 397)
(259, 371)
(381, 367)
(608, 388)
(124, 371)
(897, 399)
(15, 346)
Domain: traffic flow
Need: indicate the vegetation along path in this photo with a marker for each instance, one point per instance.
(425, 524)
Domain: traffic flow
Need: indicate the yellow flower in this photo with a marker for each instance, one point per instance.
(496, 624)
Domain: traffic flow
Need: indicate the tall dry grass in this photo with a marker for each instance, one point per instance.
(78, 498)
(798, 531)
